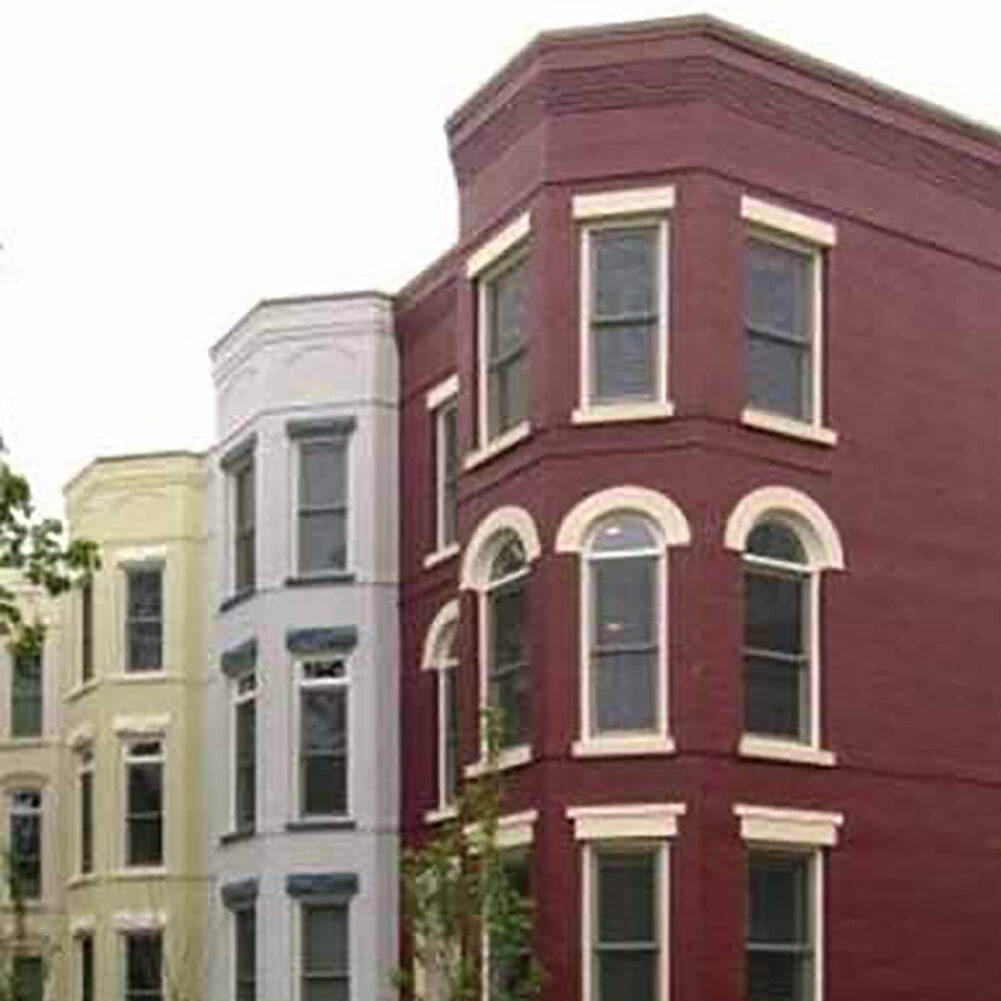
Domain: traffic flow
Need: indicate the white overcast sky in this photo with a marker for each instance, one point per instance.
(163, 165)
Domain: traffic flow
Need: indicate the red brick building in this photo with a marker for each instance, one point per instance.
(700, 425)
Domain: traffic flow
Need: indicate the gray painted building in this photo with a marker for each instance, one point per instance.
(302, 694)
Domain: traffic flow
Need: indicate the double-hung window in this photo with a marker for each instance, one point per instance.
(144, 619)
(85, 804)
(323, 737)
(245, 952)
(245, 752)
(507, 667)
(144, 973)
(26, 843)
(325, 970)
(504, 345)
(322, 507)
(244, 508)
(144, 788)
(446, 447)
(26, 694)
(28, 978)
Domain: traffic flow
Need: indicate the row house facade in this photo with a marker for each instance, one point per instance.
(682, 458)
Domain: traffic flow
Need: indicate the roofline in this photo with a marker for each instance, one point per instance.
(131, 457)
(738, 37)
(291, 300)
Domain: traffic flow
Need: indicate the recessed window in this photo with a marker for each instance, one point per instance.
(144, 619)
(323, 737)
(446, 422)
(781, 937)
(144, 966)
(325, 967)
(322, 516)
(144, 762)
(85, 804)
(85, 966)
(28, 978)
(504, 341)
(245, 752)
(245, 953)
(778, 634)
(244, 507)
(26, 843)
(783, 311)
(26, 702)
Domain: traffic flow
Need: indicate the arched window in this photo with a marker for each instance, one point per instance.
(623, 615)
(441, 656)
(506, 621)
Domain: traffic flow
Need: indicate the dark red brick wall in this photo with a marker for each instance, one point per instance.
(911, 672)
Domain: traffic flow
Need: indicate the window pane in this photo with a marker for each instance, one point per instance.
(625, 691)
(776, 541)
(145, 820)
(628, 976)
(322, 474)
(779, 289)
(625, 278)
(510, 558)
(778, 377)
(145, 794)
(324, 720)
(508, 622)
(246, 954)
(779, 976)
(26, 854)
(145, 646)
(449, 461)
(144, 968)
(86, 822)
(322, 541)
(626, 897)
(776, 698)
(29, 978)
(507, 385)
(26, 696)
(625, 361)
(86, 968)
(326, 989)
(779, 898)
(325, 939)
(145, 593)
(245, 561)
(509, 695)
(624, 602)
(621, 533)
(451, 741)
(775, 606)
(87, 631)
(324, 785)
(507, 313)
(246, 764)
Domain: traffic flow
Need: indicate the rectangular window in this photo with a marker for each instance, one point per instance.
(626, 326)
(86, 631)
(245, 753)
(26, 843)
(144, 803)
(144, 619)
(508, 680)
(627, 959)
(781, 953)
(324, 962)
(782, 321)
(86, 804)
(323, 505)
(144, 966)
(244, 526)
(29, 978)
(85, 949)
(245, 953)
(26, 694)
(509, 975)
(504, 346)
(448, 722)
(446, 419)
(323, 738)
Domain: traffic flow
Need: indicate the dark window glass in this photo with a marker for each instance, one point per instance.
(87, 971)
(26, 695)
(26, 843)
(780, 329)
(246, 764)
(323, 754)
(507, 349)
(325, 960)
(144, 623)
(624, 313)
(627, 954)
(244, 523)
(86, 822)
(323, 505)
(508, 678)
(87, 631)
(448, 473)
(780, 936)
(451, 741)
(144, 967)
(509, 973)
(245, 930)
(144, 821)
(29, 978)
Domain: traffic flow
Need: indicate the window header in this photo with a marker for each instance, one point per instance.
(633, 820)
(321, 640)
(495, 248)
(242, 657)
(789, 827)
(442, 392)
(783, 220)
(239, 453)
(322, 884)
(629, 201)
(321, 427)
(240, 893)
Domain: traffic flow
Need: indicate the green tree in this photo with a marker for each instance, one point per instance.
(462, 905)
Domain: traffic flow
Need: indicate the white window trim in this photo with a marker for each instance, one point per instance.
(237, 699)
(478, 554)
(440, 397)
(782, 826)
(638, 207)
(43, 835)
(498, 246)
(791, 752)
(130, 738)
(810, 237)
(301, 684)
(495, 446)
(154, 562)
(295, 461)
(625, 821)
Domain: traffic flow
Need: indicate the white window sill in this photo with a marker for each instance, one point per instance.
(614, 747)
(141, 677)
(502, 443)
(610, 413)
(787, 751)
(441, 555)
(440, 815)
(514, 757)
(81, 879)
(761, 420)
(141, 872)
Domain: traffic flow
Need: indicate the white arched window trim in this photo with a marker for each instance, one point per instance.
(824, 551)
(444, 663)
(482, 546)
(432, 656)
(798, 510)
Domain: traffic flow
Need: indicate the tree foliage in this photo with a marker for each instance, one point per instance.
(465, 915)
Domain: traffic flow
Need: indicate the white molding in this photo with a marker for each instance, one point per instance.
(141, 554)
(762, 420)
(126, 921)
(477, 556)
(142, 725)
(816, 530)
(442, 392)
(618, 413)
(82, 924)
(496, 247)
(79, 737)
(771, 749)
(514, 757)
(573, 530)
(445, 616)
(440, 815)
(495, 446)
(619, 747)
(517, 829)
(626, 201)
(441, 555)
(776, 825)
(629, 820)
(783, 220)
